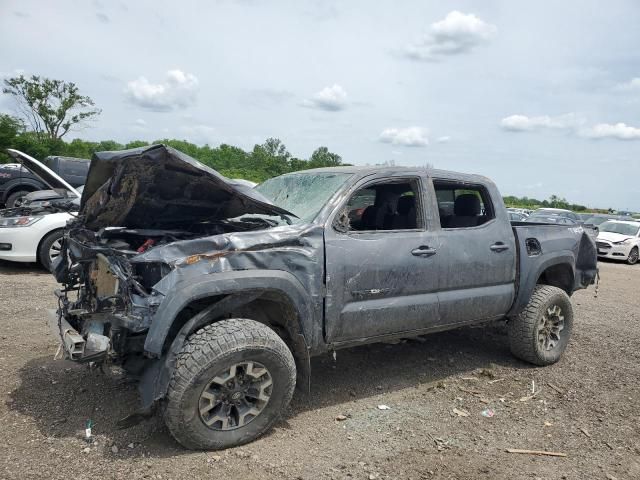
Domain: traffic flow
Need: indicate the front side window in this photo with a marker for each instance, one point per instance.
(382, 206)
(462, 205)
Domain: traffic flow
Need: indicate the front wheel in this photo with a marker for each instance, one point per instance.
(632, 259)
(232, 382)
(540, 333)
(50, 248)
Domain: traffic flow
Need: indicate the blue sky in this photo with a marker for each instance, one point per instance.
(543, 97)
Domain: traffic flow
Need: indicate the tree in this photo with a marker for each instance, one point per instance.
(322, 157)
(51, 107)
(10, 127)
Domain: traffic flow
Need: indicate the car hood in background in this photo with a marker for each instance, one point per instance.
(40, 170)
(613, 237)
(160, 187)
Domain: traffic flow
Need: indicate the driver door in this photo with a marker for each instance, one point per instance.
(381, 275)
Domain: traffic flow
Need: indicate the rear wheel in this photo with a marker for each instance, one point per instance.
(50, 248)
(632, 259)
(232, 382)
(16, 198)
(540, 334)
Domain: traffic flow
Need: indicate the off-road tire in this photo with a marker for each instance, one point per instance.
(205, 353)
(45, 245)
(632, 259)
(11, 199)
(524, 329)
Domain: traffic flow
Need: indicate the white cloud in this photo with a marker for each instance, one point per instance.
(140, 122)
(332, 99)
(631, 85)
(618, 131)
(199, 134)
(457, 33)
(445, 139)
(179, 90)
(408, 137)
(523, 123)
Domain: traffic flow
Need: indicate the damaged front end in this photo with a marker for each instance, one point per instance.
(134, 202)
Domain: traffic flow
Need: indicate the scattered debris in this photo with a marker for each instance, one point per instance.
(491, 382)
(586, 433)
(341, 418)
(484, 400)
(472, 392)
(461, 413)
(488, 412)
(114, 449)
(131, 445)
(557, 389)
(384, 407)
(548, 424)
(469, 379)
(611, 477)
(86, 449)
(87, 431)
(486, 372)
(536, 452)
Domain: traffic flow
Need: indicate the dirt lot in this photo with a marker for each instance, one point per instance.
(587, 406)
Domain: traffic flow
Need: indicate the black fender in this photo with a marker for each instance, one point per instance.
(237, 288)
(185, 291)
(530, 270)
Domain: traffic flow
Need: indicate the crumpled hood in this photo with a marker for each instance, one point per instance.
(160, 187)
(612, 236)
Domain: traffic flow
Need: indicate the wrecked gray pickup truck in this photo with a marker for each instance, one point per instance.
(216, 295)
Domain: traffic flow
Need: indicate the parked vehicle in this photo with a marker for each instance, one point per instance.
(600, 218)
(550, 218)
(33, 232)
(17, 181)
(553, 215)
(216, 295)
(619, 240)
(517, 217)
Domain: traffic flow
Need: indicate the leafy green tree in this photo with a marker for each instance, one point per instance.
(322, 157)
(10, 127)
(51, 107)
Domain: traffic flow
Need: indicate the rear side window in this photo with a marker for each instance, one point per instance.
(463, 205)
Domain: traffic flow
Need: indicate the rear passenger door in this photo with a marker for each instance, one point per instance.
(381, 270)
(477, 253)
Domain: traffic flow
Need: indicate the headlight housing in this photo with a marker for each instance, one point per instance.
(18, 221)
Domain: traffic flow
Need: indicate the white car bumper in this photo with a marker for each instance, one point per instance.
(613, 251)
(20, 244)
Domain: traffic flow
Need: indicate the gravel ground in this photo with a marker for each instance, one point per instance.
(586, 406)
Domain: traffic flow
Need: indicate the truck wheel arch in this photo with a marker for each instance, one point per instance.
(272, 305)
(558, 275)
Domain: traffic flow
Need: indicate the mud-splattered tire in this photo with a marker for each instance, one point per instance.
(540, 334)
(240, 352)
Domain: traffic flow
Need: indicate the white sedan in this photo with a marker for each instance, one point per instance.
(32, 238)
(34, 234)
(619, 240)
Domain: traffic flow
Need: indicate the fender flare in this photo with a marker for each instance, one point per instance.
(244, 281)
(529, 282)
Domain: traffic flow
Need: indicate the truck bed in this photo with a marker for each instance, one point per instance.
(540, 245)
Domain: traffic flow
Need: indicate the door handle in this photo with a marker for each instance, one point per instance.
(499, 247)
(423, 251)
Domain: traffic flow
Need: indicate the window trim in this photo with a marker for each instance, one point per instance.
(420, 216)
(479, 186)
